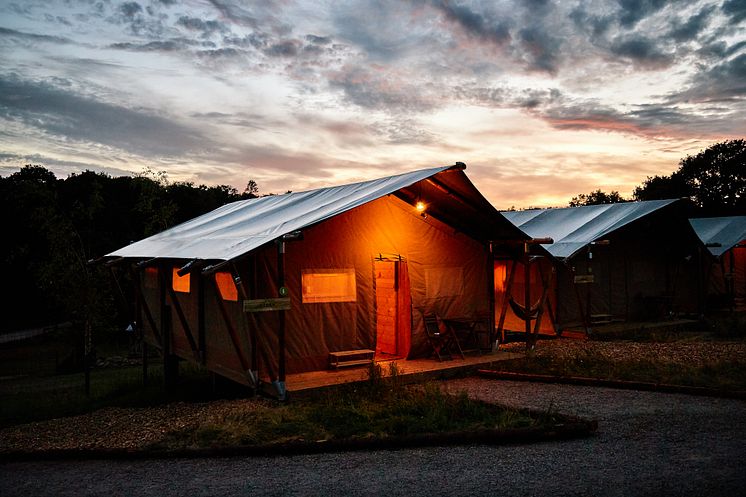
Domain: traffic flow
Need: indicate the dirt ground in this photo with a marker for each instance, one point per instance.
(648, 444)
(135, 428)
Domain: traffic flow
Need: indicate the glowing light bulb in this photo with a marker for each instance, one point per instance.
(420, 206)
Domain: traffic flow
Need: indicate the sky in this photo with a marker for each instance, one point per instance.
(541, 99)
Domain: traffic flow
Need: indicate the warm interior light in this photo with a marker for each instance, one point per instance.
(420, 206)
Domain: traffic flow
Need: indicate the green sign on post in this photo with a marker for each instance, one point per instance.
(266, 305)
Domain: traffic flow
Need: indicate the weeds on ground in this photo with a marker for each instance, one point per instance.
(381, 407)
(716, 374)
(732, 325)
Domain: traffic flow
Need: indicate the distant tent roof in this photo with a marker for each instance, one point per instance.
(722, 233)
(572, 228)
(239, 227)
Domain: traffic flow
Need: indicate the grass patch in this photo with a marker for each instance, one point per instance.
(378, 409)
(731, 325)
(725, 375)
(37, 398)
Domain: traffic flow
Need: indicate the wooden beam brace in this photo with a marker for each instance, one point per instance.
(506, 298)
(146, 309)
(184, 323)
(543, 300)
(232, 334)
(583, 315)
(124, 303)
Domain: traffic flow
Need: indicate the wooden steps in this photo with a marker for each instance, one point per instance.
(601, 318)
(350, 358)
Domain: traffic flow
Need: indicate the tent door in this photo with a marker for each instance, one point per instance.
(393, 309)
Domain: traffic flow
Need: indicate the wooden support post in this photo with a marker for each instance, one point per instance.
(626, 287)
(170, 366)
(144, 363)
(542, 300)
(491, 289)
(281, 330)
(583, 315)
(527, 296)
(87, 355)
(201, 334)
(732, 290)
(140, 333)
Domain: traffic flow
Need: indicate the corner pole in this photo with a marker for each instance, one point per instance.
(281, 392)
(491, 289)
(527, 295)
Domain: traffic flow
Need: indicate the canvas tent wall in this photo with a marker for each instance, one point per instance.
(724, 271)
(626, 261)
(362, 247)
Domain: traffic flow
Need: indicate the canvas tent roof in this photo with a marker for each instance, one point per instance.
(239, 227)
(720, 234)
(572, 228)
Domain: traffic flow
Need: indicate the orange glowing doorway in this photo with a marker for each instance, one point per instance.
(393, 309)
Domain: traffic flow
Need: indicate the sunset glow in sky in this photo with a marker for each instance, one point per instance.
(541, 99)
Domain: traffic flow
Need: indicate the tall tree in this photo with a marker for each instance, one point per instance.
(715, 179)
(597, 197)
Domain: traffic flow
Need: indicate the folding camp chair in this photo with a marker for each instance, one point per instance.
(442, 342)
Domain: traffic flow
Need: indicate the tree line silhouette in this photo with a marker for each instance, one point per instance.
(52, 227)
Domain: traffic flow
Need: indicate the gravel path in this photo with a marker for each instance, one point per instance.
(648, 444)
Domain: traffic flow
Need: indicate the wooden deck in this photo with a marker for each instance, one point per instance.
(411, 371)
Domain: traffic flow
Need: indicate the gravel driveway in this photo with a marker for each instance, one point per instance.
(648, 444)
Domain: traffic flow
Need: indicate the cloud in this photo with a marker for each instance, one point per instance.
(596, 25)
(474, 24)
(724, 82)
(643, 52)
(381, 90)
(284, 48)
(692, 27)
(404, 132)
(130, 9)
(12, 33)
(319, 40)
(58, 111)
(541, 49)
(207, 28)
(235, 13)
(152, 46)
(736, 9)
(633, 11)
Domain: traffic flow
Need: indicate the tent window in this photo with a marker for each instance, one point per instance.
(500, 277)
(179, 283)
(226, 286)
(444, 282)
(151, 277)
(328, 285)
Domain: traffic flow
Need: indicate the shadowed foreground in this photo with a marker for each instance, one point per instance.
(647, 444)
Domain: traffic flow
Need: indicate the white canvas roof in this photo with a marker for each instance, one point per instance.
(720, 234)
(239, 227)
(572, 228)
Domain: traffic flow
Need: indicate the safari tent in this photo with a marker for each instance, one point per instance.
(614, 262)
(724, 271)
(270, 285)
